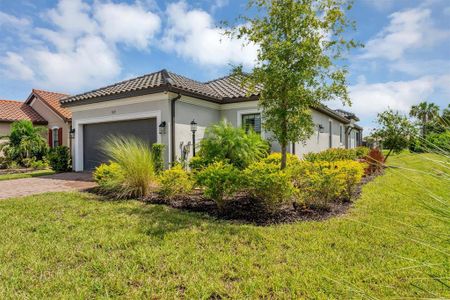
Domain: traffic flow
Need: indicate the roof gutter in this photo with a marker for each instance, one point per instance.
(172, 127)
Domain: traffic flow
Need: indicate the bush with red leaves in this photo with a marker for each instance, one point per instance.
(375, 162)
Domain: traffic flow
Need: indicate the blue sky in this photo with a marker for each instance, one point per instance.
(72, 46)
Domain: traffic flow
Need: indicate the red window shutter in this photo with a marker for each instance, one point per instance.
(59, 136)
(50, 138)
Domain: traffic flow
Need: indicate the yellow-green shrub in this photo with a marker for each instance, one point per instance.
(332, 154)
(275, 158)
(320, 183)
(108, 176)
(220, 181)
(267, 183)
(175, 181)
(361, 151)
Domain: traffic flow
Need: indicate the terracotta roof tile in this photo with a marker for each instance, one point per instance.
(11, 111)
(52, 99)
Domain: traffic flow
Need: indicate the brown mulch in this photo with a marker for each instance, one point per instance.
(249, 210)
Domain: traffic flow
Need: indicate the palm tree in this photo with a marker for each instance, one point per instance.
(425, 112)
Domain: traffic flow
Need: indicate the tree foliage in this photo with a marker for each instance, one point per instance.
(300, 44)
(25, 141)
(427, 114)
(395, 131)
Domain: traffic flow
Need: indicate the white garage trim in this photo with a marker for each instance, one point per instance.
(78, 125)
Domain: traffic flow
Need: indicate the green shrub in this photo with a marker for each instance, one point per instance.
(109, 176)
(320, 183)
(332, 154)
(175, 181)
(438, 142)
(135, 160)
(40, 165)
(220, 181)
(361, 151)
(223, 142)
(275, 158)
(59, 159)
(158, 157)
(197, 163)
(267, 183)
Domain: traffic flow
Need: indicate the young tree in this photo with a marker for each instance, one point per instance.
(395, 131)
(426, 113)
(300, 48)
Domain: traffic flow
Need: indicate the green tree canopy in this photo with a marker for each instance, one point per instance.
(395, 131)
(300, 47)
(426, 113)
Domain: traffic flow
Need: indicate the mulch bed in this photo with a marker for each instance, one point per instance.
(248, 210)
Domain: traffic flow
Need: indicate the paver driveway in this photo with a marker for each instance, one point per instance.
(51, 183)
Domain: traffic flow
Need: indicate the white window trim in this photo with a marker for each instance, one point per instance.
(78, 125)
(53, 136)
(240, 113)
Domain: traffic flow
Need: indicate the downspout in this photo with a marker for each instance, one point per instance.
(172, 127)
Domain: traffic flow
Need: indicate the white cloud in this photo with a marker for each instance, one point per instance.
(370, 98)
(407, 30)
(15, 67)
(129, 24)
(80, 51)
(192, 35)
(9, 20)
(92, 62)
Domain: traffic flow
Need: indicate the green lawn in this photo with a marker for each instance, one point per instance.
(35, 173)
(72, 245)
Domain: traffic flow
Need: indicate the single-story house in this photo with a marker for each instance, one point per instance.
(42, 108)
(159, 107)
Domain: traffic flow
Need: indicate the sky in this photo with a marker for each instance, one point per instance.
(73, 46)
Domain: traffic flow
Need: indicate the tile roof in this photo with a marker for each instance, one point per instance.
(53, 101)
(216, 90)
(346, 114)
(227, 89)
(11, 111)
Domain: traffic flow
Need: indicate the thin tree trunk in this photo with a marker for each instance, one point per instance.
(283, 155)
(387, 155)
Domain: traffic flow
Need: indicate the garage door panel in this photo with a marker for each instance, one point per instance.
(94, 134)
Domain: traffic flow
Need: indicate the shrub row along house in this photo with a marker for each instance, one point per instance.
(42, 108)
(166, 108)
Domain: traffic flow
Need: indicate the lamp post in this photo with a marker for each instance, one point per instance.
(193, 129)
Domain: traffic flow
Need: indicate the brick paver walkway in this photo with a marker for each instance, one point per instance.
(51, 183)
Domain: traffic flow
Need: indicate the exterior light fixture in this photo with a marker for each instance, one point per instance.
(321, 128)
(193, 129)
(72, 133)
(162, 127)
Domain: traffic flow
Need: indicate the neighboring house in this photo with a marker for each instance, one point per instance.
(147, 106)
(42, 108)
(59, 119)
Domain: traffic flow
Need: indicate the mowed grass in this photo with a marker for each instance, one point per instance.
(30, 174)
(73, 245)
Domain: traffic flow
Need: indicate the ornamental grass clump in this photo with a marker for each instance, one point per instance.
(333, 154)
(136, 163)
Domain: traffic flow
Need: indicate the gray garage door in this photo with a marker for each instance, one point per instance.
(93, 134)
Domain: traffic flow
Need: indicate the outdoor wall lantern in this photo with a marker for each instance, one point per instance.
(321, 128)
(193, 129)
(162, 127)
(72, 133)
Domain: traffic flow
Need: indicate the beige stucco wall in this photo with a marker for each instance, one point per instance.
(4, 128)
(53, 119)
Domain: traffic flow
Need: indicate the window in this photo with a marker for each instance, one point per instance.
(330, 125)
(341, 134)
(252, 121)
(55, 137)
